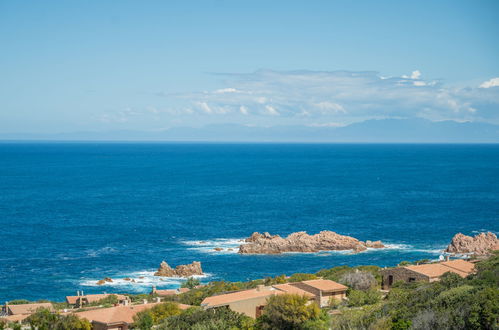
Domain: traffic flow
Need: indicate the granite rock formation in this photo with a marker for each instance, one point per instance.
(480, 244)
(302, 242)
(179, 271)
(104, 281)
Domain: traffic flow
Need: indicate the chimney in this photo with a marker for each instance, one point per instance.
(144, 301)
(82, 293)
(125, 302)
(153, 289)
(447, 258)
(259, 287)
(158, 299)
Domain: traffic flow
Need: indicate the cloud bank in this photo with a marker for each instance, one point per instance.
(318, 98)
(346, 96)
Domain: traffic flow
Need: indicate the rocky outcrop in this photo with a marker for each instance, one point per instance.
(480, 244)
(179, 271)
(104, 281)
(302, 242)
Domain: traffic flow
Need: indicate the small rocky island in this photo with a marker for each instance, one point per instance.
(179, 271)
(481, 244)
(302, 242)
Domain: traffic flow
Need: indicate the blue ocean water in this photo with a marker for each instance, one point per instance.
(73, 213)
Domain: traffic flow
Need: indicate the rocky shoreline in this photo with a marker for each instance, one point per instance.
(326, 240)
(481, 244)
(180, 271)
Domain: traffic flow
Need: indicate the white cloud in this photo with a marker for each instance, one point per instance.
(306, 97)
(243, 110)
(415, 74)
(494, 82)
(226, 90)
(271, 110)
(327, 124)
(330, 106)
(204, 107)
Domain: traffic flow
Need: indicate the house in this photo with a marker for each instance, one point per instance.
(116, 318)
(249, 302)
(252, 302)
(168, 292)
(323, 290)
(17, 313)
(81, 300)
(289, 288)
(25, 309)
(426, 272)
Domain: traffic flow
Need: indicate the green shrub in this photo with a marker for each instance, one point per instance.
(217, 318)
(191, 283)
(289, 311)
(156, 314)
(357, 298)
(298, 277)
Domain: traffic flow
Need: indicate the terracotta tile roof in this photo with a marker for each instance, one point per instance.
(118, 314)
(166, 292)
(461, 267)
(92, 297)
(225, 299)
(325, 285)
(289, 288)
(28, 308)
(184, 290)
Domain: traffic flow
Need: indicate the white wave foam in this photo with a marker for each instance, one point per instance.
(409, 248)
(228, 245)
(143, 279)
(484, 231)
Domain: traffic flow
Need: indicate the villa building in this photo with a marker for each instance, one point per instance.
(116, 318)
(425, 272)
(323, 290)
(252, 302)
(17, 313)
(249, 302)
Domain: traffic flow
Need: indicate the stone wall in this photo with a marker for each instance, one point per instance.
(401, 274)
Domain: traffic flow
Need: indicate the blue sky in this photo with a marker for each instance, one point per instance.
(149, 65)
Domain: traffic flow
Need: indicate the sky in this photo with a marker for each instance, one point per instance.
(68, 66)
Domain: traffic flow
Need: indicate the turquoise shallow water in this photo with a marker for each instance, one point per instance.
(72, 213)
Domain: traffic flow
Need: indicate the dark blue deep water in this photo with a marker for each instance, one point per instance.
(72, 213)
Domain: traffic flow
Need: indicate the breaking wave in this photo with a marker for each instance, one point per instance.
(227, 245)
(142, 279)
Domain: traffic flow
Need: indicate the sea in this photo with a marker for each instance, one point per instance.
(72, 213)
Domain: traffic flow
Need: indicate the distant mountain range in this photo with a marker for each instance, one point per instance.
(372, 131)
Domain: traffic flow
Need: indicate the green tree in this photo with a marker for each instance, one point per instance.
(211, 319)
(289, 311)
(143, 320)
(155, 315)
(359, 280)
(44, 319)
(71, 322)
(191, 283)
